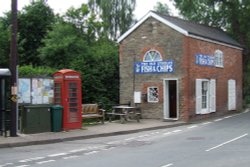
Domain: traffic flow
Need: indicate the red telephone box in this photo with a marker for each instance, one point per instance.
(68, 93)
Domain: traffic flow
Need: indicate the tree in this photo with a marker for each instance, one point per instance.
(231, 16)
(116, 14)
(162, 8)
(85, 21)
(4, 42)
(76, 42)
(34, 22)
(62, 45)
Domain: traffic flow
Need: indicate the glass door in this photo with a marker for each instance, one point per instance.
(73, 103)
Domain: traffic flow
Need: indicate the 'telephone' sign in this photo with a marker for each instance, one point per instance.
(154, 67)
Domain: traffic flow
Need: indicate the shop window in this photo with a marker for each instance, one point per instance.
(218, 55)
(205, 96)
(152, 55)
(153, 95)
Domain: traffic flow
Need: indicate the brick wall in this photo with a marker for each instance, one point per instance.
(232, 70)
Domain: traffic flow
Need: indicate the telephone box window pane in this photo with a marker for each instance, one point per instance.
(57, 93)
(72, 94)
(73, 110)
(73, 100)
(72, 104)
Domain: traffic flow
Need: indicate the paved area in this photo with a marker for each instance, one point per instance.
(88, 131)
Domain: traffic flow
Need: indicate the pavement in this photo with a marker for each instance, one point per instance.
(88, 131)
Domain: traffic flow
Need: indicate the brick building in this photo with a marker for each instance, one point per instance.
(180, 70)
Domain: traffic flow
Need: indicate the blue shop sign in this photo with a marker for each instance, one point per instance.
(204, 60)
(154, 67)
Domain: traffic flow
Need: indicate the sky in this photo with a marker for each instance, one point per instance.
(61, 6)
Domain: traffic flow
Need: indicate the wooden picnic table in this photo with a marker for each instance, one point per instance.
(126, 113)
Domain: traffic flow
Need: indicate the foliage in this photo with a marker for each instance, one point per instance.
(4, 43)
(33, 23)
(81, 40)
(116, 14)
(232, 16)
(30, 71)
(62, 45)
(75, 42)
(162, 8)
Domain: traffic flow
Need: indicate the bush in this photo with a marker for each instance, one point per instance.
(30, 71)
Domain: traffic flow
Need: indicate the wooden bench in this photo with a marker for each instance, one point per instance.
(90, 111)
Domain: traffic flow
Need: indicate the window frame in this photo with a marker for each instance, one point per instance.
(152, 59)
(219, 58)
(150, 94)
(211, 96)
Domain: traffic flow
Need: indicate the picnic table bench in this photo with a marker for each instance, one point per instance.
(125, 113)
(90, 111)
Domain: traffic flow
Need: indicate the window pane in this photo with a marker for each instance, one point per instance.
(218, 58)
(153, 95)
(204, 90)
(152, 55)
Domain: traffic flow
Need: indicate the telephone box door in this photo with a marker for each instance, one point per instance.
(72, 106)
(68, 93)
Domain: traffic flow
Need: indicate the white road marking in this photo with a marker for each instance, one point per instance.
(237, 138)
(6, 164)
(90, 153)
(246, 111)
(43, 162)
(167, 165)
(22, 166)
(114, 142)
(93, 147)
(131, 138)
(142, 136)
(191, 127)
(217, 120)
(32, 159)
(107, 149)
(154, 133)
(206, 123)
(176, 131)
(78, 150)
(57, 155)
(228, 117)
(167, 133)
(71, 157)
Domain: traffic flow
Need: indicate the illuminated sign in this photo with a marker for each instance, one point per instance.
(154, 67)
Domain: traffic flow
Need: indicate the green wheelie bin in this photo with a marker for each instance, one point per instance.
(56, 118)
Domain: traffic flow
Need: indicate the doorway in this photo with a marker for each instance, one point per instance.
(171, 99)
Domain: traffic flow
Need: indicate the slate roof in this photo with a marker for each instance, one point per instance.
(188, 28)
(201, 30)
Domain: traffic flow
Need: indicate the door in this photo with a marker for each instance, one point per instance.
(170, 99)
(72, 98)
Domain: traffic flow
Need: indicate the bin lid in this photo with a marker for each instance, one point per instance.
(57, 106)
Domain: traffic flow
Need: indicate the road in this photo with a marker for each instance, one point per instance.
(221, 142)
